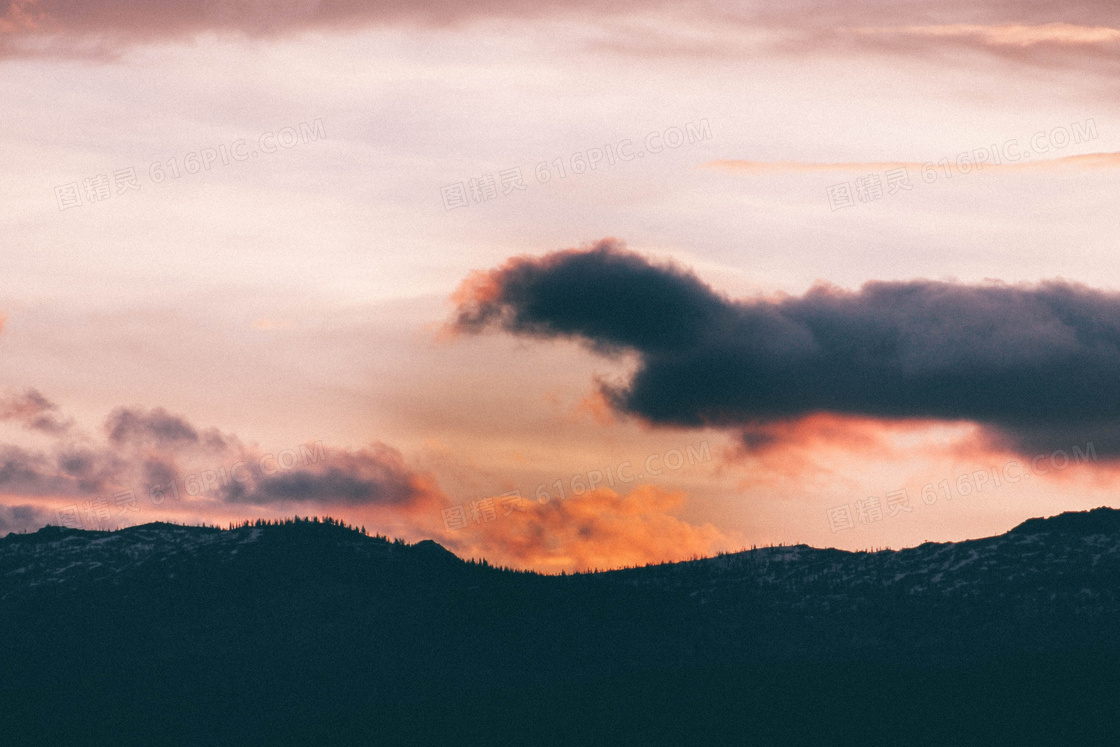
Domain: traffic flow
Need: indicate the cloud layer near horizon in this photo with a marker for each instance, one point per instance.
(159, 455)
(156, 448)
(1035, 365)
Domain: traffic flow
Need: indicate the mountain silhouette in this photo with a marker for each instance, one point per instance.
(312, 632)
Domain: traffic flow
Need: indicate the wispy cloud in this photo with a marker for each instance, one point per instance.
(1012, 35)
(104, 27)
(1109, 160)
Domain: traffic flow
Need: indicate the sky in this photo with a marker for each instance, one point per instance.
(563, 286)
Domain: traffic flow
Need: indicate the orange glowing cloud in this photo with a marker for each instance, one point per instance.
(600, 529)
(479, 287)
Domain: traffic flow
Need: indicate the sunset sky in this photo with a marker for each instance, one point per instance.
(395, 261)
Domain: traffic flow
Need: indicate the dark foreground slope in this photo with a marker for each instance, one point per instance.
(312, 633)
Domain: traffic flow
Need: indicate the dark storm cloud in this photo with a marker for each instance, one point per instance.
(602, 295)
(1038, 365)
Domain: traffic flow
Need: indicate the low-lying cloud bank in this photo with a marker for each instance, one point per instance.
(163, 455)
